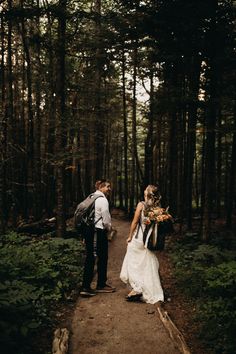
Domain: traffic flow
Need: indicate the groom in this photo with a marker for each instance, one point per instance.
(103, 225)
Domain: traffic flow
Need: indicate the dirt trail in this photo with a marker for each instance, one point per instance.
(106, 323)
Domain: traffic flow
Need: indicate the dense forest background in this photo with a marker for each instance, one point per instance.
(138, 92)
(135, 91)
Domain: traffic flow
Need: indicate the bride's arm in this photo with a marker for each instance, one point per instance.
(135, 221)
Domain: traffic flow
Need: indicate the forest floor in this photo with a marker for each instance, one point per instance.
(106, 323)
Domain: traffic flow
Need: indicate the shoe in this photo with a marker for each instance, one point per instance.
(133, 298)
(87, 292)
(105, 289)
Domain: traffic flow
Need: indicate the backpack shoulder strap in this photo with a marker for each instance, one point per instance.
(92, 197)
(96, 197)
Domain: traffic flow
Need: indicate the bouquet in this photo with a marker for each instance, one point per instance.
(156, 215)
(159, 222)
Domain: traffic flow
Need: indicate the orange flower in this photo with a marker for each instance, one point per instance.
(151, 214)
(147, 221)
(157, 215)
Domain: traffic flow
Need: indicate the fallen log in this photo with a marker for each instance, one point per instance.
(38, 227)
(174, 333)
(43, 227)
(60, 341)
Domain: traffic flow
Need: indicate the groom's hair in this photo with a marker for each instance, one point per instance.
(101, 183)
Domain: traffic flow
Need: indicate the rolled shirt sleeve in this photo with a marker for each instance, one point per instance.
(102, 211)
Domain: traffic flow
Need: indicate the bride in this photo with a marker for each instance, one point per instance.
(140, 267)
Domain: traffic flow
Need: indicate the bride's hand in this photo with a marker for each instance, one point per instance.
(128, 239)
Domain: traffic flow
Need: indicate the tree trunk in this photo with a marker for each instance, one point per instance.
(134, 127)
(191, 136)
(219, 168)
(49, 127)
(37, 201)
(60, 142)
(210, 133)
(30, 125)
(148, 174)
(126, 182)
(196, 182)
(99, 119)
(172, 160)
(10, 121)
(3, 136)
(172, 119)
(232, 177)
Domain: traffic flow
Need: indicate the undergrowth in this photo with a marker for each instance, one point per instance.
(36, 274)
(207, 274)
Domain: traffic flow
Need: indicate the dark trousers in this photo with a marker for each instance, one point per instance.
(102, 255)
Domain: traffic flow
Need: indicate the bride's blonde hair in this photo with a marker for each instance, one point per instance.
(153, 195)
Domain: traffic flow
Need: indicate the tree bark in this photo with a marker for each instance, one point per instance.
(232, 177)
(148, 174)
(60, 142)
(126, 182)
(134, 127)
(99, 119)
(219, 168)
(10, 121)
(3, 135)
(60, 341)
(191, 135)
(212, 107)
(37, 203)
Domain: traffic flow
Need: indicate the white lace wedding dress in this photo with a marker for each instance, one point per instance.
(140, 268)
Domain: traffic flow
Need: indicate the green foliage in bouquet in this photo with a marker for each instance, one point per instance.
(211, 271)
(34, 276)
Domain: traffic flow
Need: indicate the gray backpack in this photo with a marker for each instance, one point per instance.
(84, 214)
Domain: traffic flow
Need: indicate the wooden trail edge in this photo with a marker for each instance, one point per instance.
(60, 341)
(174, 333)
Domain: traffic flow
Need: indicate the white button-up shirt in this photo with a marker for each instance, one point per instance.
(102, 211)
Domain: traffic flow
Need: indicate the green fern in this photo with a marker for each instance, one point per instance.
(35, 275)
